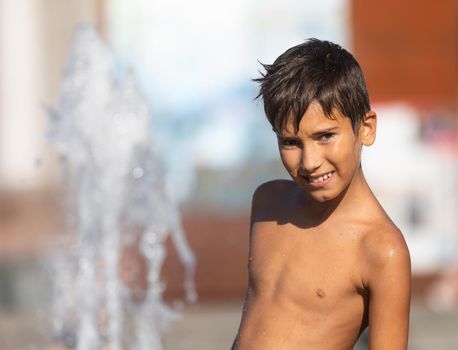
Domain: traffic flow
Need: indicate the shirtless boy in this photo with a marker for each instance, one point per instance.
(325, 259)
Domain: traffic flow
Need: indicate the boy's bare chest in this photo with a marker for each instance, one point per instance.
(303, 266)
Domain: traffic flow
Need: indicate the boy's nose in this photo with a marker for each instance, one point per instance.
(310, 161)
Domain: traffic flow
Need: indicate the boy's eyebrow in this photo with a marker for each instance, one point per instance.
(316, 133)
(324, 131)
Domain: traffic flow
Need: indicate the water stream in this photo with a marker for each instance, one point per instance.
(117, 200)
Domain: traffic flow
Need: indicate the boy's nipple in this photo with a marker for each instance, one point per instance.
(320, 293)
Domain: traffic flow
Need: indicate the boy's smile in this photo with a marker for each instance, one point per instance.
(323, 156)
(319, 180)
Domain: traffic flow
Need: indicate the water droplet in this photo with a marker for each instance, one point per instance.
(137, 172)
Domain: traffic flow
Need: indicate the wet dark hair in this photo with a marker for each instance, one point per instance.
(314, 70)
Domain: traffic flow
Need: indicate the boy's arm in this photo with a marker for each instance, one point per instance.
(259, 196)
(388, 280)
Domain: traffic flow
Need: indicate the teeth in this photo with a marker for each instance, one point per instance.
(322, 178)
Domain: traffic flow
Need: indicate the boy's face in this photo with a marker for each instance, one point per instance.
(323, 157)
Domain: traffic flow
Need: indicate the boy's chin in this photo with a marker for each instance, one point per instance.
(321, 199)
(321, 196)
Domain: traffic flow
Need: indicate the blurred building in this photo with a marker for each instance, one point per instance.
(34, 42)
(408, 50)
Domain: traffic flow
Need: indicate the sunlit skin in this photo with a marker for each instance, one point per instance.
(325, 259)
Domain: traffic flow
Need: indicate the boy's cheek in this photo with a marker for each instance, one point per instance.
(290, 161)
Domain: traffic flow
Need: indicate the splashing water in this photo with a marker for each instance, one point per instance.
(117, 197)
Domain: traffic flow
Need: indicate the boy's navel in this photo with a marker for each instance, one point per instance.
(320, 293)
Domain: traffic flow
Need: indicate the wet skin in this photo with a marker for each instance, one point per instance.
(325, 259)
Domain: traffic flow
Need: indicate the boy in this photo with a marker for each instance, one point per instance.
(325, 259)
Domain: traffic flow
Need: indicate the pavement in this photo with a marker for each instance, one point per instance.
(213, 325)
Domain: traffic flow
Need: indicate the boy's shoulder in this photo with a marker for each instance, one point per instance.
(383, 248)
(382, 237)
(277, 190)
(275, 187)
(271, 198)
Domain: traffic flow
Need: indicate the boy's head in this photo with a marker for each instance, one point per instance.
(316, 99)
(313, 71)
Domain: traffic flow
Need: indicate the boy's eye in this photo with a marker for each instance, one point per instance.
(326, 136)
(289, 143)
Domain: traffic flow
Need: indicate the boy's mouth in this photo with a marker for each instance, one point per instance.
(319, 180)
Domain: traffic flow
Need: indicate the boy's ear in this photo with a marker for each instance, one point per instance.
(368, 128)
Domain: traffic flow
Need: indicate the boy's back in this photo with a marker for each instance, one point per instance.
(325, 260)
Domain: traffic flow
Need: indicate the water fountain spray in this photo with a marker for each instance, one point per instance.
(116, 197)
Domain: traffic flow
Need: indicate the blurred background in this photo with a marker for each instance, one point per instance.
(193, 62)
